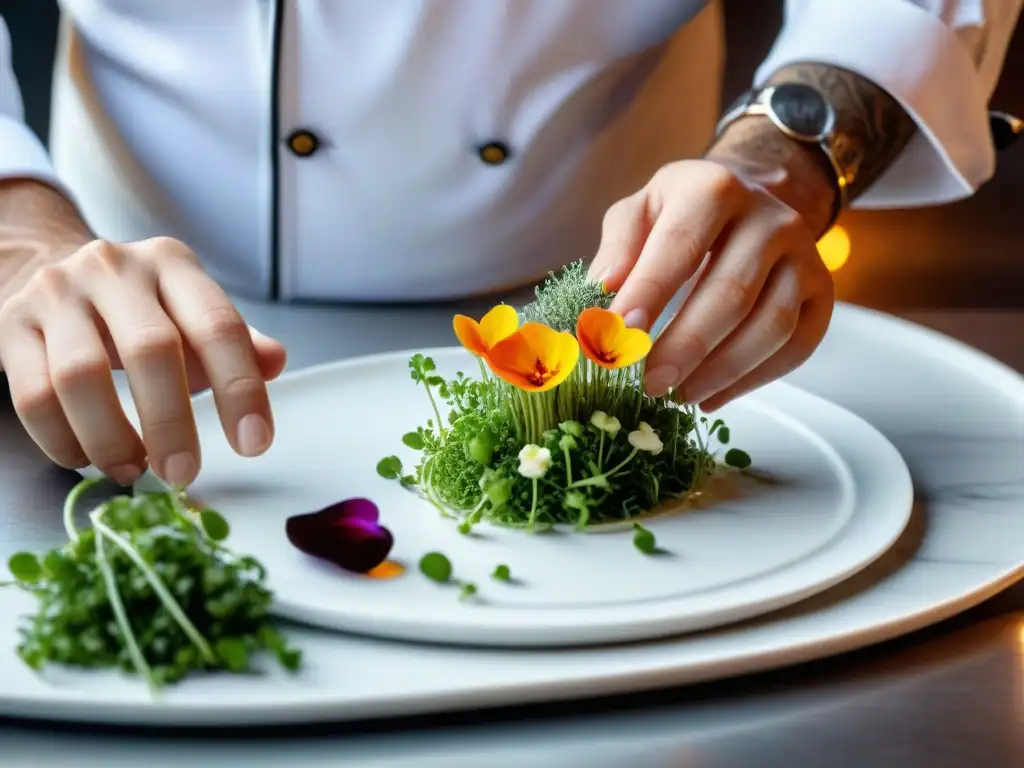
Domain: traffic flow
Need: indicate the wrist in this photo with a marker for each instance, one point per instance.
(795, 173)
(38, 226)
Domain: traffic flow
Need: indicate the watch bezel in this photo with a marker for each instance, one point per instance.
(768, 100)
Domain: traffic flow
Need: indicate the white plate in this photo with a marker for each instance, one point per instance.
(958, 418)
(842, 497)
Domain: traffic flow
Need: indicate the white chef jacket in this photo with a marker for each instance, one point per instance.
(461, 146)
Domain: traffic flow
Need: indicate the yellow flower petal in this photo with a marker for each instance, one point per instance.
(500, 323)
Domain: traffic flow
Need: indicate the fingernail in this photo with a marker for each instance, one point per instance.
(658, 381)
(124, 474)
(180, 469)
(636, 318)
(253, 435)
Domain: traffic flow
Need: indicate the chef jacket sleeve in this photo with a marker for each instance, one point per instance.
(941, 60)
(22, 154)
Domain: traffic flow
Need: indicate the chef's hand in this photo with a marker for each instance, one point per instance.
(148, 308)
(764, 301)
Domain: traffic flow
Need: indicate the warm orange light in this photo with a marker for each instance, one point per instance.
(834, 248)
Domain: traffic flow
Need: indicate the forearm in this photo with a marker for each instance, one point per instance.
(38, 226)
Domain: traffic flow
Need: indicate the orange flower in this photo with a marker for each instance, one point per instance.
(605, 339)
(500, 323)
(535, 358)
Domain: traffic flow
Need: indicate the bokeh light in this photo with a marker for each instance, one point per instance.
(834, 248)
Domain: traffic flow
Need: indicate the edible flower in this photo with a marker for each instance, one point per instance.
(606, 341)
(347, 534)
(499, 323)
(534, 461)
(535, 358)
(644, 438)
(605, 423)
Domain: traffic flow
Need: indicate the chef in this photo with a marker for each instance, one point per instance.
(410, 150)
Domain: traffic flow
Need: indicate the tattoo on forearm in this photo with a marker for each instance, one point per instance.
(875, 128)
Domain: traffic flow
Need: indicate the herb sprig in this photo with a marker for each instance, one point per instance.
(148, 588)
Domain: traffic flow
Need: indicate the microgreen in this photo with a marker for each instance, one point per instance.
(643, 539)
(501, 573)
(594, 449)
(148, 588)
(436, 567)
(467, 591)
(734, 457)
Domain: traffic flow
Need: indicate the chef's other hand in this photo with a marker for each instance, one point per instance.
(149, 309)
(762, 304)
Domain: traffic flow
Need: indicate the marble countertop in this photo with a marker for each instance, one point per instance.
(952, 695)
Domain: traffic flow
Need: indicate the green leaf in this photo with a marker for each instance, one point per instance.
(723, 435)
(573, 428)
(465, 527)
(25, 567)
(428, 364)
(413, 440)
(643, 539)
(734, 457)
(435, 381)
(501, 573)
(233, 653)
(436, 567)
(467, 591)
(214, 524)
(390, 467)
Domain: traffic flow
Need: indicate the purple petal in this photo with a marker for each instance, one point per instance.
(346, 534)
(353, 509)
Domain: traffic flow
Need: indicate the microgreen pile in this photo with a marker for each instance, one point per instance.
(557, 429)
(148, 588)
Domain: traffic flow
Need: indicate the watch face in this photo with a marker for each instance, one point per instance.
(801, 110)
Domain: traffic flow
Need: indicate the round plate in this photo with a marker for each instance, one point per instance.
(833, 496)
(957, 416)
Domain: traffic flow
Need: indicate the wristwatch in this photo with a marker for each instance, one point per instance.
(804, 114)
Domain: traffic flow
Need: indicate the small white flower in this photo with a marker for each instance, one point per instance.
(644, 438)
(605, 423)
(534, 461)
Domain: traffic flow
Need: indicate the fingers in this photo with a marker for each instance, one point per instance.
(623, 233)
(23, 354)
(221, 341)
(79, 371)
(684, 231)
(815, 316)
(764, 331)
(721, 300)
(152, 355)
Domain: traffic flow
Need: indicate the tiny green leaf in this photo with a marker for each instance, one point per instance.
(467, 591)
(465, 527)
(573, 428)
(643, 539)
(734, 457)
(25, 567)
(502, 573)
(414, 440)
(233, 653)
(389, 467)
(215, 526)
(435, 381)
(723, 435)
(437, 567)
